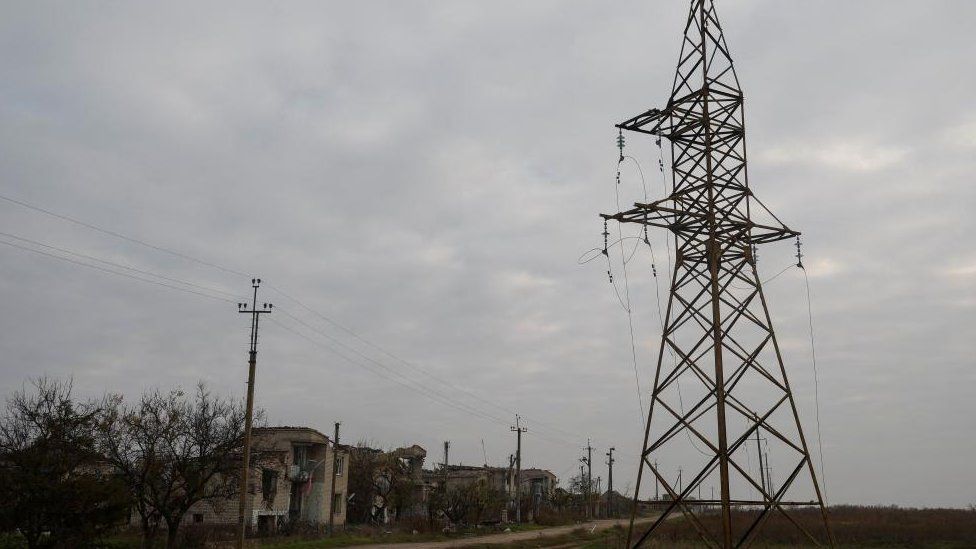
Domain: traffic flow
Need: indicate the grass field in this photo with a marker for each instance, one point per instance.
(854, 527)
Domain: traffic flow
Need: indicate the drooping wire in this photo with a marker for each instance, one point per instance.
(657, 293)
(593, 253)
(664, 185)
(768, 280)
(623, 259)
(816, 375)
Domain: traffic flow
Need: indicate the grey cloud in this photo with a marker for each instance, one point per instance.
(428, 173)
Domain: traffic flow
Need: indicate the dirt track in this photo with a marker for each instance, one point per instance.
(503, 537)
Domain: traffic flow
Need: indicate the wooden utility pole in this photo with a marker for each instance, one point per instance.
(332, 494)
(249, 412)
(610, 501)
(518, 429)
(589, 478)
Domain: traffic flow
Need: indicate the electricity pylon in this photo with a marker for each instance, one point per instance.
(720, 377)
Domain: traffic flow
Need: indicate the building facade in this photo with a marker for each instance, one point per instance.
(290, 480)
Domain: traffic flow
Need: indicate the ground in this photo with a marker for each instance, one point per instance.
(853, 527)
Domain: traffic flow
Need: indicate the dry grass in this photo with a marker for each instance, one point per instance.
(853, 527)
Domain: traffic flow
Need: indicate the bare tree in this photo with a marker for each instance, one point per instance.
(173, 451)
(54, 489)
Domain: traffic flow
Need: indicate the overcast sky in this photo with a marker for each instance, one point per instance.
(427, 174)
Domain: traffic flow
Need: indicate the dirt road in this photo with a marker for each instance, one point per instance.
(503, 537)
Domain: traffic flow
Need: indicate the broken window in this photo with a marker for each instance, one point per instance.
(300, 453)
(269, 484)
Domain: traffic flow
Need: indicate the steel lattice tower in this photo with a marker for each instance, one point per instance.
(720, 384)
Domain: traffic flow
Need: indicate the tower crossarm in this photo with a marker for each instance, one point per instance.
(686, 222)
(652, 122)
(677, 119)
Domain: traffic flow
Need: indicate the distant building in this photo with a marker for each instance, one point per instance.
(614, 504)
(385, 471)
(501, 479)
(538, 485)
(290, 480)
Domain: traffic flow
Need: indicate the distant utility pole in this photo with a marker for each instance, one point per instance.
(447, 450)
(762, 474)
(249, 412)
(610, 501)
(657, 486)
(589, 477)
(518, 429)
(582, 480)
(335, 464)
(588, 460)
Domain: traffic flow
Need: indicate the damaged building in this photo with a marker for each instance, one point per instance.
(290, 480)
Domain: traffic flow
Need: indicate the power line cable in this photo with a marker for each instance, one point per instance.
(657, 295)
(404, 382)
(405, 362)
(623, 259)
(121, 266)
(199, 261)
(394, 379)
(122, 236)
(816, 380)
(110, 271)
(425, 390)
(435, 397)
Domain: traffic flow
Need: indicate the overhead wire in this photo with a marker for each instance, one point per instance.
(202, 290)
(405, 362)
(122, 236)
(623, 259)
(424, 390)
(657, 293)
(121, 266)
(395, 379)
(117, 273)
(394, 376)
(599, 251)
(816, 377)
